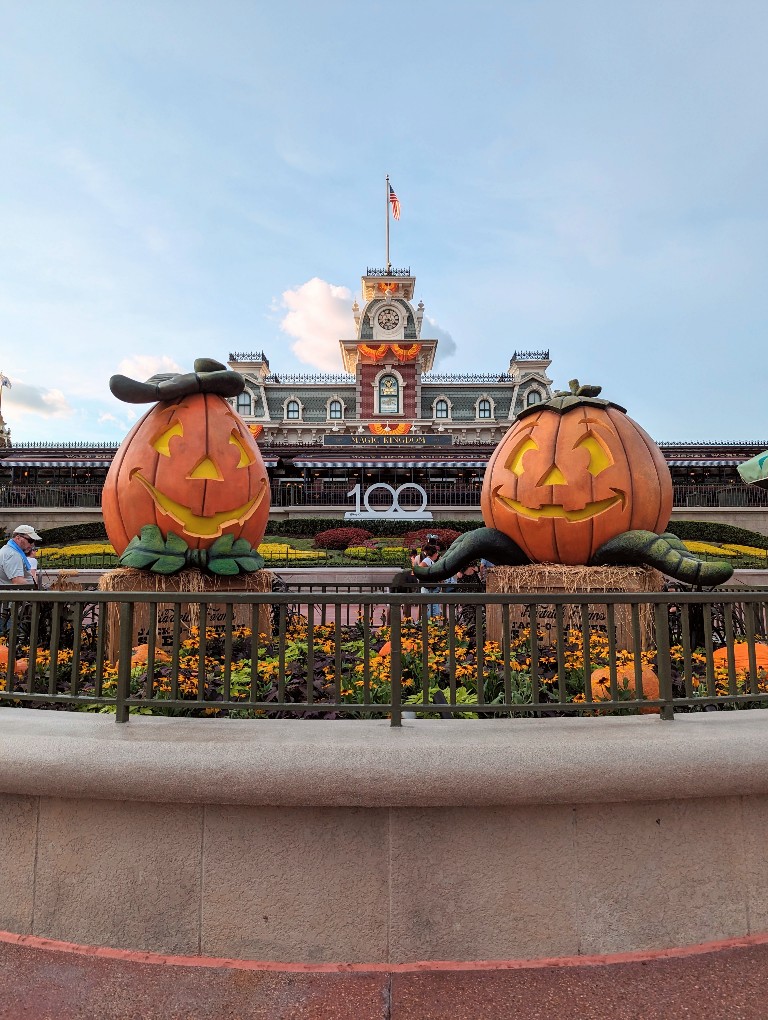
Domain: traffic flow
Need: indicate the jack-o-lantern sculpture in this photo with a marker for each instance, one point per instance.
(576, 481)
(570, 475)
(188, 486)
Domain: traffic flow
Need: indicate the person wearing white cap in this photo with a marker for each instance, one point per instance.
(15, 567)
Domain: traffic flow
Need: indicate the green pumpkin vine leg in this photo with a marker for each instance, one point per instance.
(665, 552)
(488, 543)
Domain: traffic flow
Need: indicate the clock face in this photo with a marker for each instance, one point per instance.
(388, 318)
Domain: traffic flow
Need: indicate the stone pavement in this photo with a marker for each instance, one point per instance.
(728, 983)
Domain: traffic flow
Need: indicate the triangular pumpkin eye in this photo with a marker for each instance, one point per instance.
(515, 460)
(246, 456)
(599, 455)
(162, 443)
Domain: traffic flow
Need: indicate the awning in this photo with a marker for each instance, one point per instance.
(362, 462)
(732, 462)
(8, 462)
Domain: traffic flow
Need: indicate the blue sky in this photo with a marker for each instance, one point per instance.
(187, 179)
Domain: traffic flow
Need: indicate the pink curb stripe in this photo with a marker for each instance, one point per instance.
(223, 963)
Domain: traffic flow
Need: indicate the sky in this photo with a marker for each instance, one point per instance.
(189, 178)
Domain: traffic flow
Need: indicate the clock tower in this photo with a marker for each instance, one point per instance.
(389, 354)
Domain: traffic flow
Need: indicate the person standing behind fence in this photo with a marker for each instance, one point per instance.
(430, 555)
(15, 568)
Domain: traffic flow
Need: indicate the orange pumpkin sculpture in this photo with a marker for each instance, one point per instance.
(572, 474)
(188, 479)
(576, 481)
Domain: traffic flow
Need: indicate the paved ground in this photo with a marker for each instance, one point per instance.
(40, 984)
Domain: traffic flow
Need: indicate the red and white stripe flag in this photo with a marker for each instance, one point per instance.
(394, 201)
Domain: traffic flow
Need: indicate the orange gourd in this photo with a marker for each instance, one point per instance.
(189, 466)
(20, 665)
(741, 656)
(570, 475)
(140, 655)
(601, 684)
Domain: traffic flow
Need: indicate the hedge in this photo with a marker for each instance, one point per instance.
(711, 531)
(93, 532)
(308, 527)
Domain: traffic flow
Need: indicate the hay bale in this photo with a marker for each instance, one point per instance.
(559, 579)
(127, 579)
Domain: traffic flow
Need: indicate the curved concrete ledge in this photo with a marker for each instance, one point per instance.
(312, 842)
(371, 764)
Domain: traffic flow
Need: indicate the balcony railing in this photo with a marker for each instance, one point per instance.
(289, 493)
(720, 496)
(368, 653)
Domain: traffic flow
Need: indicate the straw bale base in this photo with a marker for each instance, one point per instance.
(129, 580)
(557, 579)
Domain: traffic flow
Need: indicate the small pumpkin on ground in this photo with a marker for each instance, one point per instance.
(140, 655)
(741, 655)
(601, 684)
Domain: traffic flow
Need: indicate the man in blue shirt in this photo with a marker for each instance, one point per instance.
(15, 567)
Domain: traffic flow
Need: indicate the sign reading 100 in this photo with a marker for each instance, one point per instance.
(395, 509)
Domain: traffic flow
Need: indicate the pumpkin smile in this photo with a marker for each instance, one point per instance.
(210, 526)
(558, 510)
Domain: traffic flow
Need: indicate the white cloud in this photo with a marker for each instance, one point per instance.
(24, 399)
(447, 345)
(144, 366)
(319, 315)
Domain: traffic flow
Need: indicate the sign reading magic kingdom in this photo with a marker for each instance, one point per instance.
(410, 441)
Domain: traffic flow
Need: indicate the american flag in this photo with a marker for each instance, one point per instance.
(4, 380)
(394, 201)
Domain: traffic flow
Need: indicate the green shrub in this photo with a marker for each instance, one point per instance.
(308, 527)
(393, 556)
(75, 533)
(711, 531)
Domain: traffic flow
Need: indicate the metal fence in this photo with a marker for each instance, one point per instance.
(371, 653)
(289, 492)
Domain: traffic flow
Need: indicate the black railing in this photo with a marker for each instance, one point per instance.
(369, 653)
(306, 493)
(720, 496)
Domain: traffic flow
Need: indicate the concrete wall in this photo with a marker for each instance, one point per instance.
(352, 841)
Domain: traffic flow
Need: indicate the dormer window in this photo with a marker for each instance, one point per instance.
(335, 410)
(293, 410)
(244, 403)
(484, 408)
(441, 408)
(532, 397)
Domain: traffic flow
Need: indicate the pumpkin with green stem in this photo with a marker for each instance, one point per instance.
(576, 481)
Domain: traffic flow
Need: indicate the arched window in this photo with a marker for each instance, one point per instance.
(533, 397)
(244, 403)
(441, 408)
(292, 410)
(336, 409)
(389, 395)
(484, 408)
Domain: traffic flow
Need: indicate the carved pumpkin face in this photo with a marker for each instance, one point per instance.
(192, 467)
(563, 482)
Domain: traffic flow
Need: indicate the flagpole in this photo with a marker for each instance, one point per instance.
(389, 264)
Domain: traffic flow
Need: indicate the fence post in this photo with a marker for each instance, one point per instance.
(124, 662)
(396, 664)
(663, 661)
